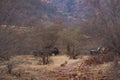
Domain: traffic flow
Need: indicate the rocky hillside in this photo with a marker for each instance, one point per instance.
(72, 9)
(30, 12)
(24, 12)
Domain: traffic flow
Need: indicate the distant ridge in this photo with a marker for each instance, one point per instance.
(34, 12)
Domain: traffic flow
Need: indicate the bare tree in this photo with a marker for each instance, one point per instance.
(13, 41)
(6, 40)
(71, 39)
(105, 23)
(45, 37)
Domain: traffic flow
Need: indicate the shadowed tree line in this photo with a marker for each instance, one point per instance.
(24, 12)
(25, 40)
(105, 24)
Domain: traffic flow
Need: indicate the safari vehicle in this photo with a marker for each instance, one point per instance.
(98, 50)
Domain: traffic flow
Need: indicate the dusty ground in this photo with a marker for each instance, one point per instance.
(30, 65)
(26, 67)
(28, 61)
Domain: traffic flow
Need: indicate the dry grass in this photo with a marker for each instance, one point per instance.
(28, 61)
(27, 68)
(27, 65)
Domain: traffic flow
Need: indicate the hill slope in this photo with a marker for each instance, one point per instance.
(30, 12)
(24, 12)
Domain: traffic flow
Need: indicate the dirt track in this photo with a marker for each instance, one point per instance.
(27, 68)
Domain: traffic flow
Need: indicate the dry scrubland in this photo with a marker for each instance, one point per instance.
(27, 67)
(30, 34)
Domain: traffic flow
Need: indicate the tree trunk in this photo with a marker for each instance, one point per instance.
(47, 59)
(44, 61)
(116, 60)
(9, 66)
(72, 53)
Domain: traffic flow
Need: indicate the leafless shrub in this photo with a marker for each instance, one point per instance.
(99, 59)
(44, 37)
(6, 41)
(105, 24)
(9, 68)
(71, 38)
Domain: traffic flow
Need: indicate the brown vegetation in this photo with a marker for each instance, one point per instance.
(104, 26)
(102, 29)
(64, 64)
(99, 59)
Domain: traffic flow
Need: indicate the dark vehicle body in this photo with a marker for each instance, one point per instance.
(40, 52)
